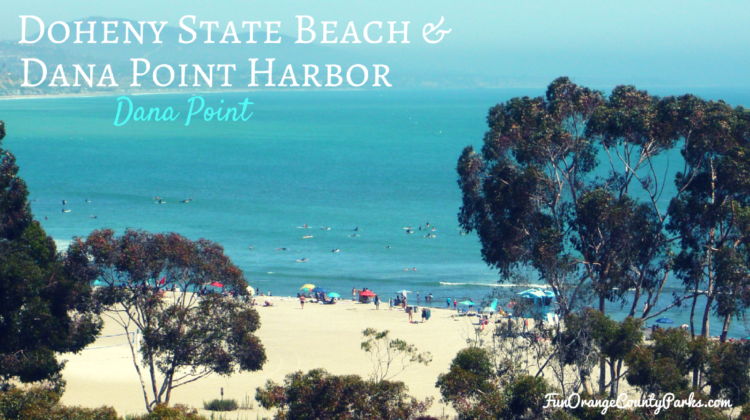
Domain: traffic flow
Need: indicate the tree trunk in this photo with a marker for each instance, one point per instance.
(586, 382)
(602, 360)
(692, 331)
(617, 368)
(706, 313)
(725, 330)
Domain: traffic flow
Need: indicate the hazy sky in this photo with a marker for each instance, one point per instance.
(688, 42)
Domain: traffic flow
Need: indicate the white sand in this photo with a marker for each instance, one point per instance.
(320, 336)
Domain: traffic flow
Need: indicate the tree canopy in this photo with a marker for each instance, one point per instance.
(320, 395)
(151, 283)
(575, 189)
(45, 305)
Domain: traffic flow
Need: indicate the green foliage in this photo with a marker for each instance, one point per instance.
(176, 412)
(473, 388)
(729, 372)
(536, 197)
(470, 378)
(663, 366)
(220, 405)
(387, 354)
(38, 403)
(185, 336)
(44, 304)
(689, 413)
(320, 395)
(526, 396)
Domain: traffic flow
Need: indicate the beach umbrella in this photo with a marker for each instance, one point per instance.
(665, 321)
(403, 292)
(334, 295)
(367, 293)
(467, 302)
(320, 290)
(217, 284)
(307, 286)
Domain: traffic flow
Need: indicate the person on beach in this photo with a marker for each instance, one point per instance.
(354, 293)
(377, 301)
(302, 301)
(424, 314)
(408, 311)
(390, 304)
(448, 303)
(455, 304)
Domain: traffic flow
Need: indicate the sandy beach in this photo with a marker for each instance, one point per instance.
(320, 336)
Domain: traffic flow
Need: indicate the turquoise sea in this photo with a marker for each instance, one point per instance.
(376, 160)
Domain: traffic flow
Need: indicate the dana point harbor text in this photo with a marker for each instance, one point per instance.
(164, 75)
(127, 111)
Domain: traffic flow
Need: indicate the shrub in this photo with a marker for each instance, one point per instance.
(220, 405)
(38, 403)
(164, 412)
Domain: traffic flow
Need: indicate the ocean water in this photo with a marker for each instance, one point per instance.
(378, 161)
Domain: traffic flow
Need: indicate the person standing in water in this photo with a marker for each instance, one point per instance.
(377, 301)
(302, 301)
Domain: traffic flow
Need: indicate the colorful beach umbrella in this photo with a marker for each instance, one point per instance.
(367, 293)
(217, 284)
(403, 292)
(320, 290)
(307, 286)
(334, 295)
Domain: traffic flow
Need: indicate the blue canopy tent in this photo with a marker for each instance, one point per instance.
(542, 300)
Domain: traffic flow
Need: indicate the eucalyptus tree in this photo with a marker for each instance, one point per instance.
(149, 283)
(44, 303)
(576, 188)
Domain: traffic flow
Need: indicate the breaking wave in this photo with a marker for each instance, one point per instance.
(535, 286)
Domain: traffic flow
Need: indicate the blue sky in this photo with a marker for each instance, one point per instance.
(690, 43)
